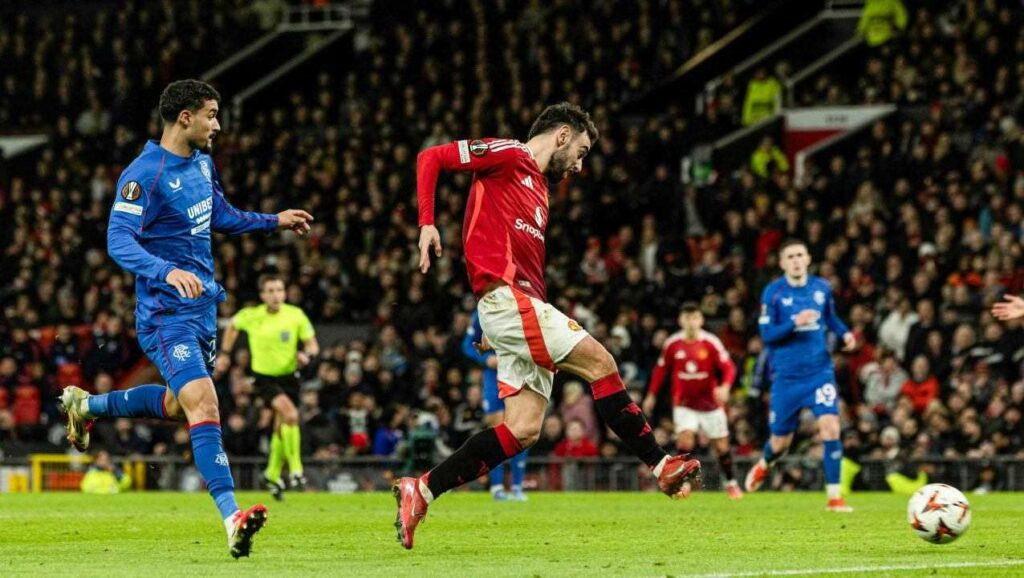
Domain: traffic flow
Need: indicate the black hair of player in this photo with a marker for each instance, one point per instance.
(268, 278)
(791, 242)
(690, 307)
(182, 95)
(562, 113)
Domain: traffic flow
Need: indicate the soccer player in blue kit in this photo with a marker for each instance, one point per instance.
(168, 201)
(796, 310)
(474, 348)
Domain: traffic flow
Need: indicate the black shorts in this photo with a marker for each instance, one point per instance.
(268, 387)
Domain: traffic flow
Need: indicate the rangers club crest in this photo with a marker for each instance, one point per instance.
(204, 167)
(181, 352)
(819, 297)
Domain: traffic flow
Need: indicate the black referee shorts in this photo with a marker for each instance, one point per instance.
(269, 386)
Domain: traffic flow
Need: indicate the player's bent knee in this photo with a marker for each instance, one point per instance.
(290, 416)
(828, 427)
(526, 435)
(287, 411)
(589, 360)
(198, 399)
(526, 429)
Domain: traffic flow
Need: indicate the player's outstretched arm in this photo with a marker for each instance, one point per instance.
(1011, 308)
(295, 219)
(228, 219)
(429, 237)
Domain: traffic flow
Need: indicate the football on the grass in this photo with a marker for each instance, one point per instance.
(939, 513)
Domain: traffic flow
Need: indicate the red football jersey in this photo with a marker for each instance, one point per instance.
(506, 212)
(695, 366)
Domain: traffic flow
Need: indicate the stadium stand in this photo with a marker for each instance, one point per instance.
(918, 229)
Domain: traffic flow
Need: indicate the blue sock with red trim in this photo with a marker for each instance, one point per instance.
(141, 401)
(212, 461)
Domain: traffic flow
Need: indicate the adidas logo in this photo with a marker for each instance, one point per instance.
(528, 181)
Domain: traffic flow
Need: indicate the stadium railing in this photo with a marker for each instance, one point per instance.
(62, 472)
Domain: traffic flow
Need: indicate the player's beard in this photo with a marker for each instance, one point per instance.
(559, 164)
(205, 146)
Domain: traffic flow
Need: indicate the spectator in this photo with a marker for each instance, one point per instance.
(922, 388)
(883, 382)
(576, 444)
(894, 332)
(579, 407)
(880, 20)
(767, 159)
(550, 437)
(763, 99)
(103, 477)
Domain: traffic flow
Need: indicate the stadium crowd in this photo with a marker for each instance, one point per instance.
(918, 233)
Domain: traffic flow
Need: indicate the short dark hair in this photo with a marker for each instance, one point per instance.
(690, 307)
(267, 278)
(568, 113)
(791, 242)
(185, 95)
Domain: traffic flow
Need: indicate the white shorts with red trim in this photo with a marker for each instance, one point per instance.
(529, 338)
(713, 423)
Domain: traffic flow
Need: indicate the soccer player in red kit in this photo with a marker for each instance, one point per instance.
(503, 239)
(702, 374)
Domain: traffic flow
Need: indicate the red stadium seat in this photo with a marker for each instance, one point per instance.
(70, 374)
(27, 405)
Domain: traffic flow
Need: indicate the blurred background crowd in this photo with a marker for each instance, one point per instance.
(917, 228)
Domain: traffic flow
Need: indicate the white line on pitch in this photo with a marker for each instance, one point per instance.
(855, 569)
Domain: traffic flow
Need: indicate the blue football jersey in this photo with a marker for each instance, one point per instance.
(164, 210)
(798, 351)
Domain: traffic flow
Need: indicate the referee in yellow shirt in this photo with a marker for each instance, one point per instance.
(275, 329)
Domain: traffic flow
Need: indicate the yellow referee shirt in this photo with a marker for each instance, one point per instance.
(274, 337)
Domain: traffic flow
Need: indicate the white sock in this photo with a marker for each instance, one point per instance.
(425, 491)
(497, 488)
(661, 465)
(229, 522)
(833, 491)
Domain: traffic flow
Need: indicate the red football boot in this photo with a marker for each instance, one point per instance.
(412, 508)
(756, 476)
(732, 489)
(838, 505)
(244, 527)
(678, 471)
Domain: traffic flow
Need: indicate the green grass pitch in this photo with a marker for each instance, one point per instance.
(466, 534)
